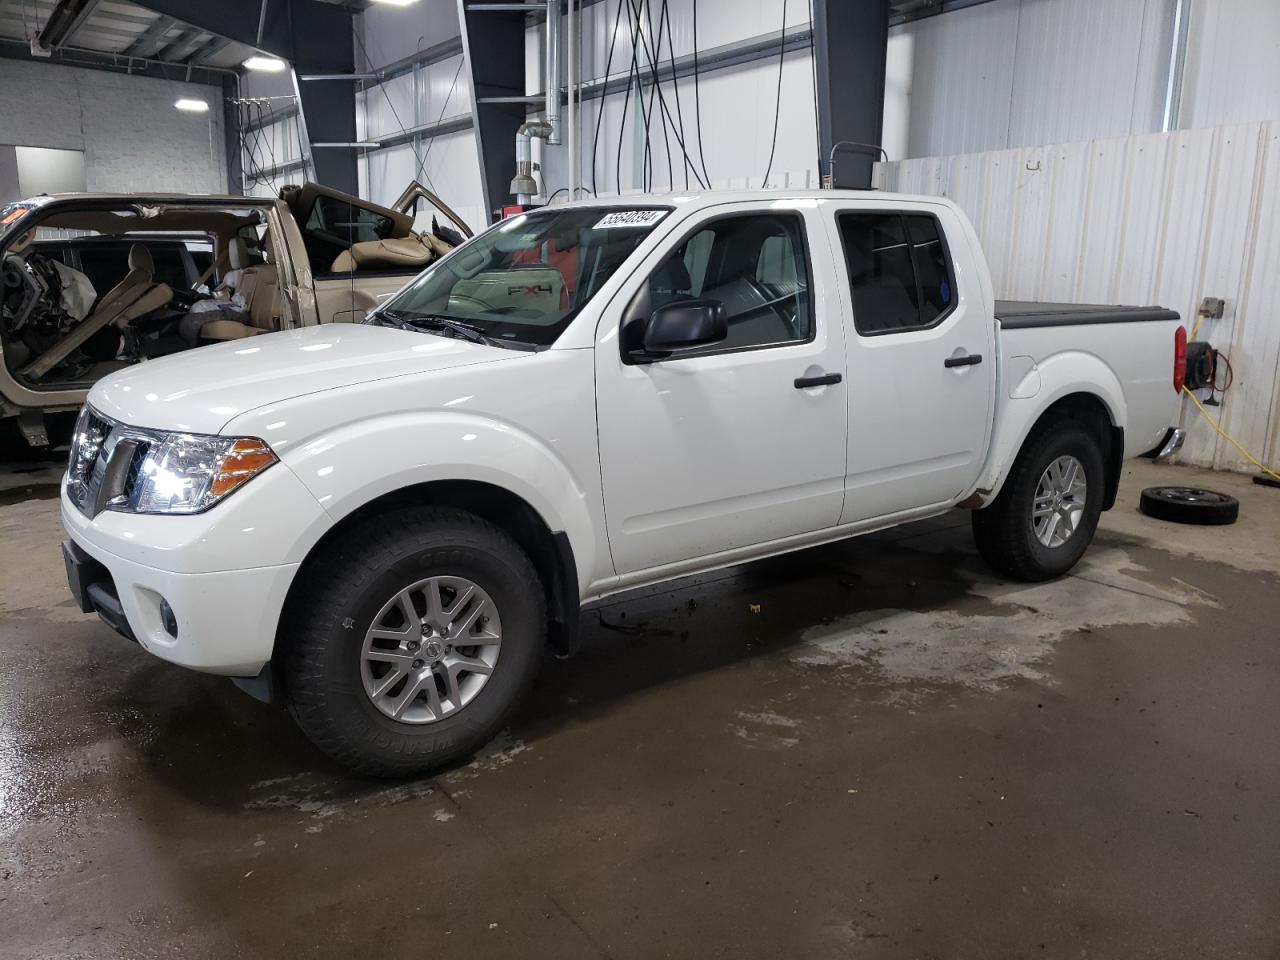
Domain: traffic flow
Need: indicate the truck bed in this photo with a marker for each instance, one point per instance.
(1018, 314)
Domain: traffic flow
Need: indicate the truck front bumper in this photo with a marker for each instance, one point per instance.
(221, 621)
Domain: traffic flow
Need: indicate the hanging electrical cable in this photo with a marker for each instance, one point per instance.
(422, 164)
(632, 73)
(637, 38)
(655, 57)
(1230, 439)
(677, 130)
(604, 93)
(675, 86)
(697, 99)
(777, 107)
(395, 115)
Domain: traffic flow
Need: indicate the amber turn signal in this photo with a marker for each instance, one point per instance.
(246, 459)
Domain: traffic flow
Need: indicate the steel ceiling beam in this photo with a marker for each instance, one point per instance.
(151, 39)
(184, 46)
(213, 47)
(315, 38)
(13, 49)
(905, 11)
(65, 19)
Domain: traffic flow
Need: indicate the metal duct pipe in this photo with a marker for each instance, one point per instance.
(523, 185)
(574, 85)
(552, 83)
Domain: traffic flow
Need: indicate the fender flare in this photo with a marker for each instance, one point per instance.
(376, 461)
(1062, 375)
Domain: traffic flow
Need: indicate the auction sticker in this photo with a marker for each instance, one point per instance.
(630, 218)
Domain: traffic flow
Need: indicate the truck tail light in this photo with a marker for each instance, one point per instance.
(1179, 358)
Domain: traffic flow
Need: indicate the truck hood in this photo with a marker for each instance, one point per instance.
(201, 390)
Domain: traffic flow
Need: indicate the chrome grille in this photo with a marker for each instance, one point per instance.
(106, 458)
(89, 454)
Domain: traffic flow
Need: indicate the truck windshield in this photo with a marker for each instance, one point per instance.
(522, 282)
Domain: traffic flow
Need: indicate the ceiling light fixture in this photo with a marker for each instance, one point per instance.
(396, 3)
(264, 64)
(191, 106)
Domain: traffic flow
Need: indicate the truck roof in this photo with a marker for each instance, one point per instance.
(707, 198)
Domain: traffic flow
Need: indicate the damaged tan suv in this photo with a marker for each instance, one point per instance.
(90, 283)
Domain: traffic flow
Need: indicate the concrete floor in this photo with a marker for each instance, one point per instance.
(898, 755)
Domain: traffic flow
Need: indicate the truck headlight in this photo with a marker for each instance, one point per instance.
(188, 473)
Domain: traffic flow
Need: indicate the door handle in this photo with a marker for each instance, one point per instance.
(819, 381)
(968, 360)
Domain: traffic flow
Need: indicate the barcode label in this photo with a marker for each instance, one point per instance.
(630, 218)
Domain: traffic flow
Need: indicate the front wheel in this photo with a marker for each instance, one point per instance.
(414, 637)
(1045, 516)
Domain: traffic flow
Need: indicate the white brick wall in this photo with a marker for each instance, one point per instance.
(133, 138)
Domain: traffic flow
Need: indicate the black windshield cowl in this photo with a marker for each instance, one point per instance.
(444, 326)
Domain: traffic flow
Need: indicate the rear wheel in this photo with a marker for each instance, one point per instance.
(1045, 516)
(414, 638)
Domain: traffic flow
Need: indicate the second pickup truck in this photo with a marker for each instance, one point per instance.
(385, 524)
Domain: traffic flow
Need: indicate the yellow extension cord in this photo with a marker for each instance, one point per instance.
(1230, 439)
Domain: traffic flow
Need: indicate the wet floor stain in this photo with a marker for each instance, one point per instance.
(21, 494)
(986, 649)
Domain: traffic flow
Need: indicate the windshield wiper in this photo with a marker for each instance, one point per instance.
(435, 322)
(417, 321)
(387, 318)
(464, 330)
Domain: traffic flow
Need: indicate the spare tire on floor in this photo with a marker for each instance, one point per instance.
(1189, 505)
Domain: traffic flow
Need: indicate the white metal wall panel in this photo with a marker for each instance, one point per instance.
(389, 107)
(1025, 72)
(1085, 70)
(390, 33)
(451, 169)
(1158, 218)
(962, 79)
(1233, 63)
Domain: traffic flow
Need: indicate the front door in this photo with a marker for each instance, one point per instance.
(741, 442)
(921, 359)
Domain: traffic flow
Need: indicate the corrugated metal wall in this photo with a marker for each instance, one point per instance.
(1159, 218)
(1015, 73)
(1233, 63)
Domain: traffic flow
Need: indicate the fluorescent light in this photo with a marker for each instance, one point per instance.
(265, 64)
(396, 3)
(192, 106)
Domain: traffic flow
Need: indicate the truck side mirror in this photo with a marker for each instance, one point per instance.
(683, 326)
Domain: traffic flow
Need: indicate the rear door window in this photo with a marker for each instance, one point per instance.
(899, 271)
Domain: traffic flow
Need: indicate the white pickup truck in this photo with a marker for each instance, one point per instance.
(385, 524)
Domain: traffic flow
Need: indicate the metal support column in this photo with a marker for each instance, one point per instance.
(850, 39)
(493, 38)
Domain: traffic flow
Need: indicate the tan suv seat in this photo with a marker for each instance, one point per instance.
(259, 285)
(413, 252)
(136, 294)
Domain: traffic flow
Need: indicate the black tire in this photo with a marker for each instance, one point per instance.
(1189, 505)
(320, 659)
(1004, 531)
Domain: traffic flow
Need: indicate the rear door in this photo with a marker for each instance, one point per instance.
(922, 361)
(728, 446)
